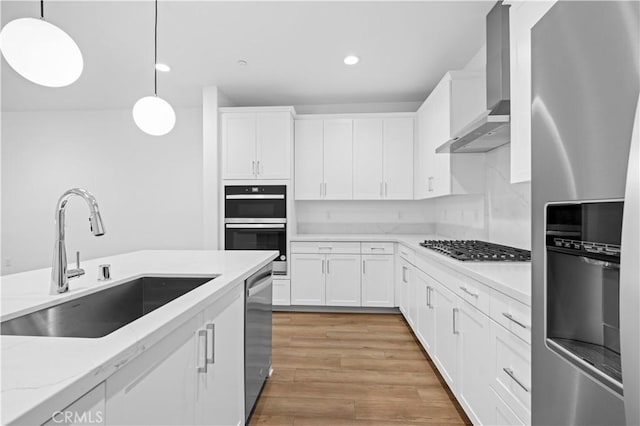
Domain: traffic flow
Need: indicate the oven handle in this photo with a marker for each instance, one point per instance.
(260, 286)
(255, 197)
(255, 220)
(255, 225)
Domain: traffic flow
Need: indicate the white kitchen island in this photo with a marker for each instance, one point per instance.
(145, 372)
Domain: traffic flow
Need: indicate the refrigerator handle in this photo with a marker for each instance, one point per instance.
(629, 273)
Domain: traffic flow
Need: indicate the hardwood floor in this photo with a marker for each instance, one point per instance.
(351, 369)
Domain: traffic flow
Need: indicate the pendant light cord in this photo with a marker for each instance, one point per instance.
(41, 9)
(155, 53)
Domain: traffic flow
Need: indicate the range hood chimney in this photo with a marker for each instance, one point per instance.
(491, 129)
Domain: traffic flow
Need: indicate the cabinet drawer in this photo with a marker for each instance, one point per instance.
(282, 292)
(511, 376)
(377, 248)
(512, 315)
(476, 294)
(501, 414)
(325, 247)
(406, 253)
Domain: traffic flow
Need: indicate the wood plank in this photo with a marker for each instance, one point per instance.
(365, 392)
(360, 344)
(386, 365)
(311, 407)
(332, 421)
(320, 352)
(436, 411)
(359, 376)
(262, 420)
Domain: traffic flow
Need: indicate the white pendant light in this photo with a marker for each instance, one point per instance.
(152, 114)
(41, 52)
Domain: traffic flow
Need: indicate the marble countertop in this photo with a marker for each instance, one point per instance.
(43, 374)
(510, 278)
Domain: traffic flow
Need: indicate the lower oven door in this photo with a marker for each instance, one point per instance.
(259, 236)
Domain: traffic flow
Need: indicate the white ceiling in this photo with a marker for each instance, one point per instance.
(294, 51)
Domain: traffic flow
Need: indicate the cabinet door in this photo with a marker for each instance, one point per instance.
(220, 392)
(474, 363)
(398, 158)
(159, 386)
(308, 159)
(368, 183)
(403, 283)
(522, 16)
(377, 280)
(412, 303)
(440, 175)
(239, 146)
(273, 137)
(307, 279)
(426, 311)
(338, 159)
(343, 280)
(446, 309)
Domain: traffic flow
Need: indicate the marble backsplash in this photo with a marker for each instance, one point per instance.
(502, 215)
(364, 217)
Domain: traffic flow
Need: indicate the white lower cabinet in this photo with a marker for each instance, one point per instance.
(342, 280)
(500, 413)
(377, 280)
(220, 390)
(325, 273)
(158, 387)
(426, 312)
(511, 370)
(307, 274)
(193, 376)
(462, 324)
(474, 362)
(446, 313)
(281, 292)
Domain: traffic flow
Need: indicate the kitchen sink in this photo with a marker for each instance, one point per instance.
(101, 313)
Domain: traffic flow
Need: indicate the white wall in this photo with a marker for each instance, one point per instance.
(149, 188)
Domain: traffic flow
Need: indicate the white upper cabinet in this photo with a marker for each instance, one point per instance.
(309, 151)
(256, 143)
(368, 179)
(239, 146)
(273, 145)
(398, 158)
(523, 15)
(457, 99)
(346, 158)
(338, 159)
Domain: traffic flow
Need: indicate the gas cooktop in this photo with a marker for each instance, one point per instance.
(477, 251)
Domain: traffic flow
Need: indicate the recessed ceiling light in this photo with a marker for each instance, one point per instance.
(242, 62)
(163, 67)
(351, 60)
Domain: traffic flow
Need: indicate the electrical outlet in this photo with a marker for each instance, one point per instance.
(7, 262)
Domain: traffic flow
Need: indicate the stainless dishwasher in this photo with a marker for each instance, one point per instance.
(257, 335)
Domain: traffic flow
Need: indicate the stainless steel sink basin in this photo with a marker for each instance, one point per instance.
(103, 312)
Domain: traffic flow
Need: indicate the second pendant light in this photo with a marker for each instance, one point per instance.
(152, 114)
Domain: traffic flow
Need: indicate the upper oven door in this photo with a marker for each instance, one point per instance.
(255, 202)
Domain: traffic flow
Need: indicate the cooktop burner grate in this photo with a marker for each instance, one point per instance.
(477, 251)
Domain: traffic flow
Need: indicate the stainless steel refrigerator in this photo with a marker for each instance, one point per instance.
(585, 211)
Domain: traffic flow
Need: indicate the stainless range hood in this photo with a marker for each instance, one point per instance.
(491, 129)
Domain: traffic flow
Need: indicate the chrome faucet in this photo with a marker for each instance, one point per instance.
(59, 273)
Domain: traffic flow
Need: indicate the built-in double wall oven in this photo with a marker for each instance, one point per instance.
(256, 219)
